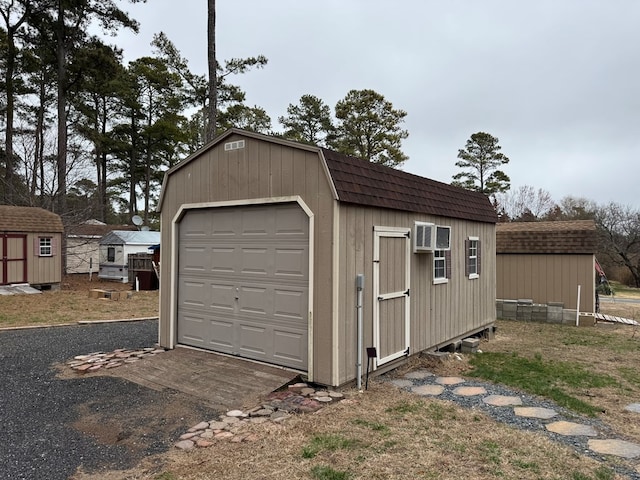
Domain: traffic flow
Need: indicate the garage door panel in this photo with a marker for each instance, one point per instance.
(291, 262)
(255, 264)
(291, 304)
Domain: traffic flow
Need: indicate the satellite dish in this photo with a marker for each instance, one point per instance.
(137, 220)
(145, 228)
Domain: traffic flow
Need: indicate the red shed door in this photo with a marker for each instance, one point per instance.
(13, 251)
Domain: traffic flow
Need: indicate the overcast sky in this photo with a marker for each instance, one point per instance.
(558, 82)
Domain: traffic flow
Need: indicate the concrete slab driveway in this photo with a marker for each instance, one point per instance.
(53, 426)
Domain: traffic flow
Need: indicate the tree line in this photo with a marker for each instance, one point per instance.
(88, 136)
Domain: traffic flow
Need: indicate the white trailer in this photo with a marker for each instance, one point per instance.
(115, 248)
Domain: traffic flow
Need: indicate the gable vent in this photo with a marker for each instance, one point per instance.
(234, 145)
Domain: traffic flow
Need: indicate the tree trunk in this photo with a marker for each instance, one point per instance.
(212, 111)
(61, 159)
(8, 145)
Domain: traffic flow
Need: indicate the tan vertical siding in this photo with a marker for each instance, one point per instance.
(439, 313)
(260, 170)
(44, 270)
(546, 278)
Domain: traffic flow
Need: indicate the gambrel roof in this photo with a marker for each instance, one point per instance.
(29, 219)
(361, 182)
(561, 237)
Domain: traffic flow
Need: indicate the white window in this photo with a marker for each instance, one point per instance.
(473, 257)
(45, 247)
(441, 266)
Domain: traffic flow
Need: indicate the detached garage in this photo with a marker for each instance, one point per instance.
(263, 240)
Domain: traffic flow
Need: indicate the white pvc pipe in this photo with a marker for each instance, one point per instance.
(578, 308)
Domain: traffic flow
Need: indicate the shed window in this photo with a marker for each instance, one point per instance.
(472, 264)
(111, 254)
(45, 246)
(441, 266)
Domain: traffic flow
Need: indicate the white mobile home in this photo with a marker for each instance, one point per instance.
(115, 248)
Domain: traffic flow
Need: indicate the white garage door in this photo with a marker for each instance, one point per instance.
(243, 280)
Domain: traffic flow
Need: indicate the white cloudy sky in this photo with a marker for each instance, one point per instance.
(557, 81)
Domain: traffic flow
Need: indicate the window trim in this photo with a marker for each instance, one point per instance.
(476, 274)
(45, 246)
(443, 259)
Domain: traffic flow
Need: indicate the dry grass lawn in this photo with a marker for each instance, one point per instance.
(385, 433)
(71, 304)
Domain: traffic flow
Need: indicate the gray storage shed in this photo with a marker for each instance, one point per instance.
(263, 238)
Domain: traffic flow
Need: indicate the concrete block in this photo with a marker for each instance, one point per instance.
(509, 309)
(524, 312)
(471, 342)
(469, 349)
(525, 301)
(569, 317)
(555, 304)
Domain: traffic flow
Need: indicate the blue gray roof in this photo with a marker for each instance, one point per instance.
(125, 237)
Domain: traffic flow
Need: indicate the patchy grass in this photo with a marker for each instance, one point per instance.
(545, 378)
(624, 291)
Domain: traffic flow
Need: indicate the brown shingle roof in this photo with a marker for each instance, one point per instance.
(567, 237)
(365, 183)
(29, 219)
(93, 230)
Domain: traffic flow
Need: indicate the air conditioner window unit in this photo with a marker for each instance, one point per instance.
(424, 237)
(443, 238)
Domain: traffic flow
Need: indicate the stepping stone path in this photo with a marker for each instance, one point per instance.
(278, 407)
(424, 383)
(95, 361)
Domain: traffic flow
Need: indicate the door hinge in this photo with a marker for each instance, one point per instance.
(376, 261)
(407, 292)
(406, 352)
(380, 299)
(408, 234)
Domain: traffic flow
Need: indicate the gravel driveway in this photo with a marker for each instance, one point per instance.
(52, 426)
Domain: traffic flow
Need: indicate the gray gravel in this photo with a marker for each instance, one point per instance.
(37, 409)
(507, 416)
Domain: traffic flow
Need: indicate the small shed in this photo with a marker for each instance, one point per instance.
(30, 240)
(115, 248)
(83, 244)
(263, 242)
(543, 263)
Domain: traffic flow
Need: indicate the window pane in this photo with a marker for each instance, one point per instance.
(439, 264)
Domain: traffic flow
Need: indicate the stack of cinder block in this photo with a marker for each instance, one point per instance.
(470, 345)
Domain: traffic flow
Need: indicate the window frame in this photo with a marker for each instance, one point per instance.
(473, 260)
(440, 257)
(111, 258)
(45, 246)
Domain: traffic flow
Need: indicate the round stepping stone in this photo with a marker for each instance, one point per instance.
(502, 400)
(633, 407)
(202, 443)
(619, 448)
(535, 412)
(235, 413)
(418, 375)
(571, 429)
(336, 395)
(449, 380)
(307, 391)
(207, 434)
(428, 390)
(470, 391)
(401, 383)
(222, 435)
(324, 399)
